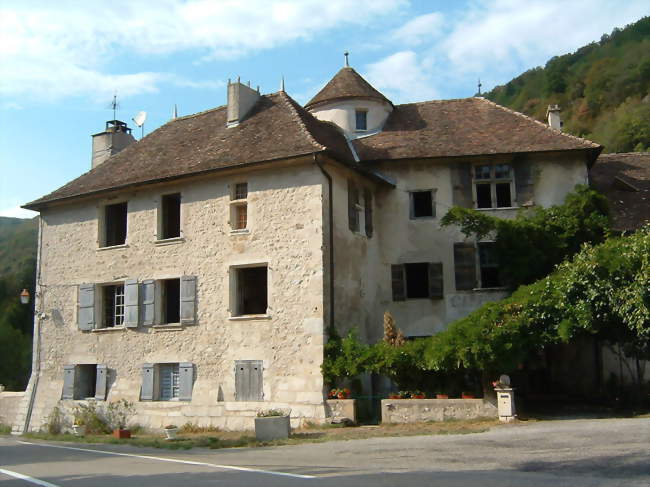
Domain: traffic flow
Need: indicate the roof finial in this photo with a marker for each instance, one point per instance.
(175, 112)
(479, 87)
(346, 54)
(282, 84)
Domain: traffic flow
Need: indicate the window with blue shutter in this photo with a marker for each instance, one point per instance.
(131, 302)
(188, 300)
(148, 295)
(248, 380)
(147, 389)
(86, 307)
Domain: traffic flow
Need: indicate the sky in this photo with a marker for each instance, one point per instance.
(62, 62)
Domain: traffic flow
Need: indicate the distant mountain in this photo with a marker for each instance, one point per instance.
(18, 240)
(602, 88)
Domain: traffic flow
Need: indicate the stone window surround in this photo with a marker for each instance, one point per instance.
(159, 223)
(101, 224)
(433, 192)
(232, 291)
(234, 204)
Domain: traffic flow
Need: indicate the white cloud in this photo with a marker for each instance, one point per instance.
(402, 77)
(420, 29)
(18, 212)
(62, 48)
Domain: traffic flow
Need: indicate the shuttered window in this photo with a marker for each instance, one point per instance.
(85, 381)
(417, 280)
(465, 266)
(86, 307)
(248, 380)
(169, 381)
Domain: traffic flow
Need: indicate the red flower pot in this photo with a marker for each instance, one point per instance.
(393, 396)
(467, 396)
(418, 396)
(442, 396)
(119, 433)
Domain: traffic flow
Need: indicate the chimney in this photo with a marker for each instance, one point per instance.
(553, 115)
(241, 99)
(115, 138)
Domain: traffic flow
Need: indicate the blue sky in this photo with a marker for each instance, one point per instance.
(61, 62)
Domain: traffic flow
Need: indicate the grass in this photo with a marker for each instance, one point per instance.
(5, 429)
(310, 434)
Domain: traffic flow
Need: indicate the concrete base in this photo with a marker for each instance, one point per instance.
(339, 409)
(272, 428)
(420, 410)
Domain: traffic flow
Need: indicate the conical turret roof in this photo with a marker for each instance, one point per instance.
(347, 83)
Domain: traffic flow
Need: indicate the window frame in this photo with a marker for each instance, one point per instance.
(239, 201)
(103, 221)
(493, 181)
(357, 112)
(174, 374)
(432, 192)
(160, 310)
(360, 209)
(160, 230)
(103, 311)
(234, 291)
(478, 267)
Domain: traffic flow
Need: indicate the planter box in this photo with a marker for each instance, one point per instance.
(79, 429)
(341, 408)
(420, 410)
(272, 428)
(118, 433)
(170, 433)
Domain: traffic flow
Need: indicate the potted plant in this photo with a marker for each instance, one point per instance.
(339, 394)
(466, 395)
(118, 414)
(78, 422)
(272, 424)
(442, 396)
(170, 431)
(417, 395)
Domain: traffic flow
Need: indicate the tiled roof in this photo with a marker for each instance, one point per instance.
(277, 127)
(625, 180)
(347, 83)
(468, 126)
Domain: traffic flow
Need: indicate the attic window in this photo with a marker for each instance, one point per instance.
(361, 119)
(239, 207)
(170, 216)
(115, 224)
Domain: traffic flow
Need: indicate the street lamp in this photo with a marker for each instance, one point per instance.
(24, 297)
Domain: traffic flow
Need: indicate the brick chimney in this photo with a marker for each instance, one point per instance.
(111, 141)
(553, 115)
(241, 99)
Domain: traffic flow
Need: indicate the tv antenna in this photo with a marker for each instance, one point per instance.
(139, 121)
(479, 87)
(114, 105)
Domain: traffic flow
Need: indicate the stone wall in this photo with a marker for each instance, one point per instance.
(9, 406)
(419, 410)
(284, 232)
(341, 408)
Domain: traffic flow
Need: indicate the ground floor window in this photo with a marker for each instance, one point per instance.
(417, 280)
(170, 381)
(84, 381)
(169, 377)
(248, 380)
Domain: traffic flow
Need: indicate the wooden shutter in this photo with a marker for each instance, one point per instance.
(248, 380)
(188, 300)
(146, 392)
(398, 282)
(86, 309)
(100, 382)
(524, 184)
(367, 205)
(131, 312)
(68, 382)
(461, 182)
(465, 266)
(148, 293)
(186, 381)
(353, 199)
(436, 287)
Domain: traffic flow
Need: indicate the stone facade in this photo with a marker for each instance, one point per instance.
(421, 410)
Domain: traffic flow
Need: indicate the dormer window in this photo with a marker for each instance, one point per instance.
(361, 119)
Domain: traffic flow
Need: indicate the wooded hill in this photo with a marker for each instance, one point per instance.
(602, 89)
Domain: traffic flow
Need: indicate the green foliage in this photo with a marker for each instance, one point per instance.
(118, 414)
(54, 424)
(602, 89)
(532, 244)
(344, 357)
(92, 416)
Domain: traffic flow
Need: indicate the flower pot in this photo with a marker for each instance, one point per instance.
(418, 396)
(170, 433)
(79, 429)
(272, 428)
(442, 396)
(393, 396)
(467, 396)
(121, 433)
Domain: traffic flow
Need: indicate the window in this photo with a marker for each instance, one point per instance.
(359, 214)
(113, 305)
(239, 207)
(422, 204)
(251, 291)
(132, 303)
(167, 382)
(114, 225)
(472, 273)
(489, 265)
(171, 301)
(493, 184)
(84, 381)
(169, 375)
(417, 280)
(248, 380)
(170, 216)
(361, 119)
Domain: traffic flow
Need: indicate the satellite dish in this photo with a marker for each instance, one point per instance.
(140, 118)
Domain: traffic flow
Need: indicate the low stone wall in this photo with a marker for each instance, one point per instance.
(341, 408)
(9, 406)
(419, 410)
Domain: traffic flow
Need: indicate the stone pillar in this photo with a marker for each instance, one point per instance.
(506, 403)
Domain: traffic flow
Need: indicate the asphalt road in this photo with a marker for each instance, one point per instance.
(605, 452)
